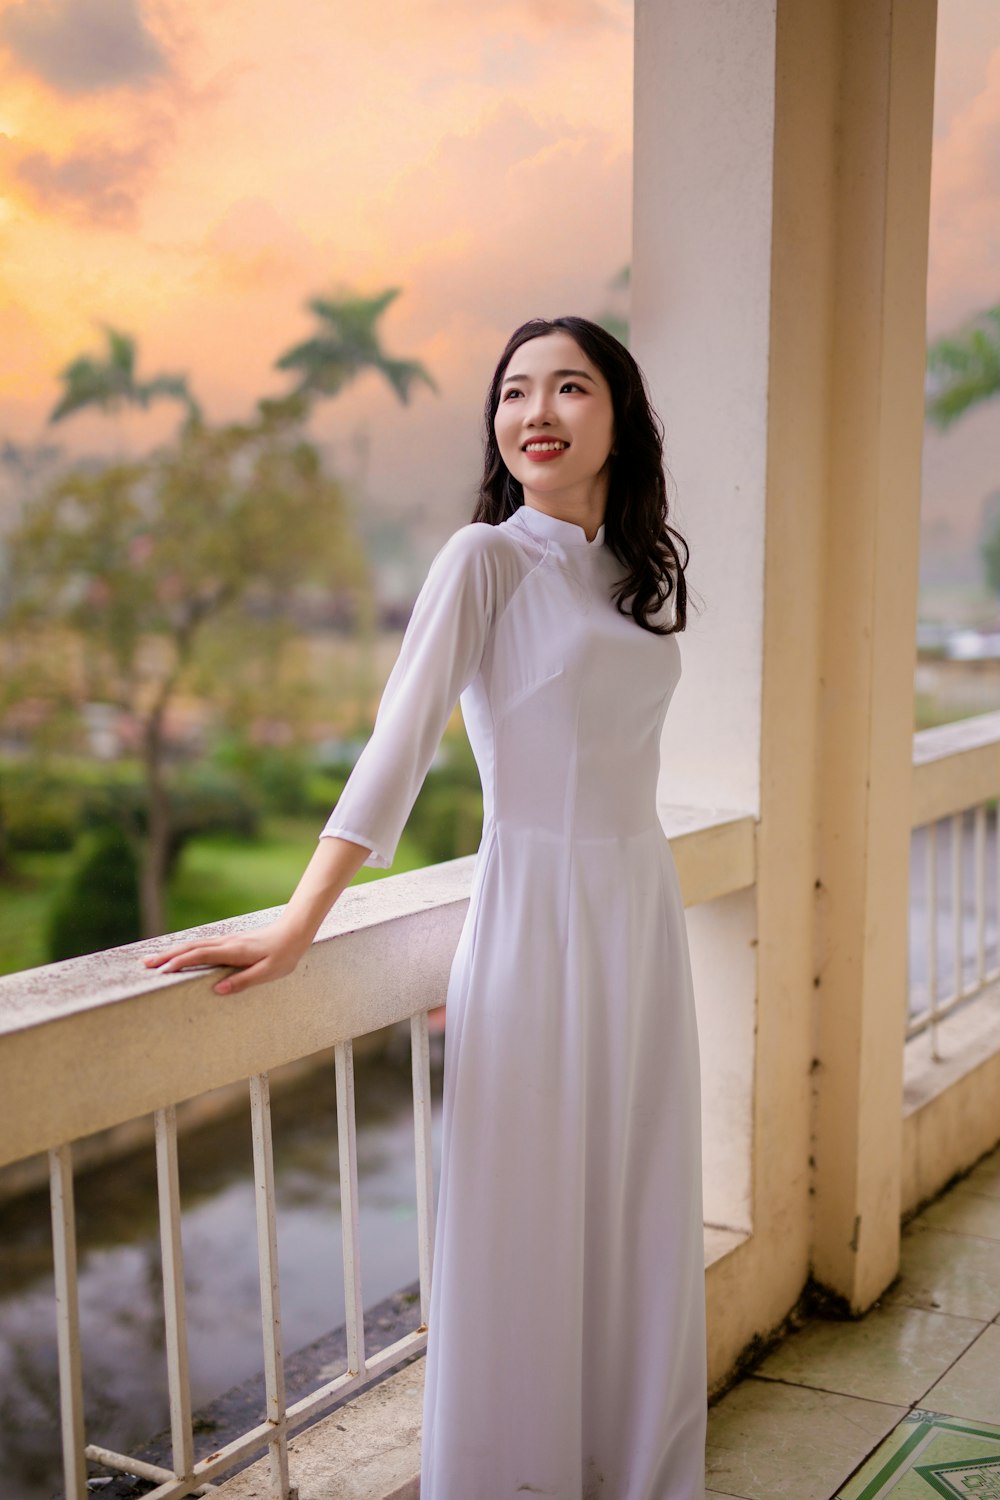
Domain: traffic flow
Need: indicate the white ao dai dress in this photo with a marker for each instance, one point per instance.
(566, 1343)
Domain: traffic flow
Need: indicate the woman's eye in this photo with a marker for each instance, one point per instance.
(508, 394)
(571, 385)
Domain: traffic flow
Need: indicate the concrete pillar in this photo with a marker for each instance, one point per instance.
(782, 161)
(871, 544)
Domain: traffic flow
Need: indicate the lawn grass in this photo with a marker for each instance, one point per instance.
(24, 908)
(218, 876)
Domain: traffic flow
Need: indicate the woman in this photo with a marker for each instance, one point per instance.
(566, 1343)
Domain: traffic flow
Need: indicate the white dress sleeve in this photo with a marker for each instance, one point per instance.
(441, 652)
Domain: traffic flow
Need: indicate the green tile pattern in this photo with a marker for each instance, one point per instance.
(929, 1455)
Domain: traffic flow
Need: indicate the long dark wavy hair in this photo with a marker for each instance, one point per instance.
(636, 527)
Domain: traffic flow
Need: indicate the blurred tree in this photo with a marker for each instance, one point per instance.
(110, 383)
(346, 345)
(177, 571)
(963, 368)
(989, 552)
(614, 317)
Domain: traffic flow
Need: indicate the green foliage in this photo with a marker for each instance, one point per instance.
(39, 813)
(964, 368)
(45, 808)
(447, 817)
(990, 555)
(99, 905)
(111, 383)
(346, 345)
(164, 565)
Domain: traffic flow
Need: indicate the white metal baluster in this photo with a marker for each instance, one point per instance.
(174, 1312)
(996, 914)
(270, 1298)
(347, 1143)
(68, 1321)
(421, 1055)
(956, 897)
(932, 927)
(996, 892)
(980, 878)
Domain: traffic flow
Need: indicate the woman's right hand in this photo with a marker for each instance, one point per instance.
(265, 953)
(272, 952)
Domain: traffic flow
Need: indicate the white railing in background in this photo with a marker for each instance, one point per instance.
(955, 871)
(152, 1041)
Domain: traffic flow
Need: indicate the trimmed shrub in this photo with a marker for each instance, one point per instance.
(99, 905)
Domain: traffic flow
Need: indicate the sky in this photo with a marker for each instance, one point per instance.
(193, 174)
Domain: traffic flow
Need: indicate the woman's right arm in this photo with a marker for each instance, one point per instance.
(440, 653)
(273, 951)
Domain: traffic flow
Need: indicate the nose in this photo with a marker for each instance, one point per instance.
(537, 410)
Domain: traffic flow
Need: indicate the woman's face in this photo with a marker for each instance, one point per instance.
(554, 425)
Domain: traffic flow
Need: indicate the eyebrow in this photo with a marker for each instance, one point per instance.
(560, 373)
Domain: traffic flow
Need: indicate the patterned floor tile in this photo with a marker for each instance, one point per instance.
(930, 1455)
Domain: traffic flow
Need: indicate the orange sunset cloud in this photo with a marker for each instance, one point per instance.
(193, 174)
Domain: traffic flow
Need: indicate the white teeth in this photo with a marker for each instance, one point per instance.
(545, 447)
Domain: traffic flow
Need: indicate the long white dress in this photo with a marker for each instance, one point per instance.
(566, 1343)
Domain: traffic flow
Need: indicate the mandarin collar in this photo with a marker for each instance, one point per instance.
(557, 530)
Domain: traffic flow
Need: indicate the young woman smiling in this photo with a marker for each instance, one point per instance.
(566, 1342)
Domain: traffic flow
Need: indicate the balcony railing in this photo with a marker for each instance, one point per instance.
(955, 871)
(102, 1032)
(96, 1042)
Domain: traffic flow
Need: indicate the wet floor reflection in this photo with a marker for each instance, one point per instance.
(120, 1289)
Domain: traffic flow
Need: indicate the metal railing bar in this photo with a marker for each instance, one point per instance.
(996, 893)
(216, 1463)
(270, 1297)
(174, 1312)
(421, 1059)
(347, 1144)
(385, 1359)
(979, 866)
(68, 1322)
(944, 1010)
(932, 915)
(112, 1460)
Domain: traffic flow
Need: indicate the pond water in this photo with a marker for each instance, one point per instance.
(121, 1308)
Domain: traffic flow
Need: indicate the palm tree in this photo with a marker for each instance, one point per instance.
(346, 344)
(964, 369)
(110, 383)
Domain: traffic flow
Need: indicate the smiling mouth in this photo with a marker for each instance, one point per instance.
(545, 445)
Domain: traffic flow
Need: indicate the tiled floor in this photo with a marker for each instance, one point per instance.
(904, 1403)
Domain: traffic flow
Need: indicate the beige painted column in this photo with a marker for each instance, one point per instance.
(869, 629)
(703, 329)
(782, 161)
